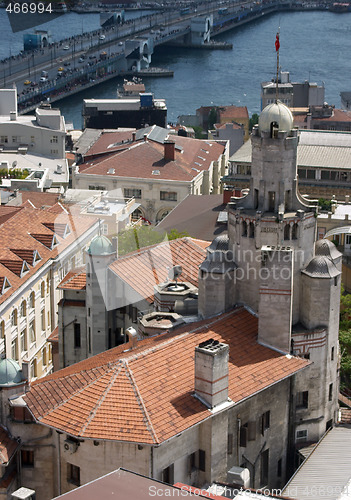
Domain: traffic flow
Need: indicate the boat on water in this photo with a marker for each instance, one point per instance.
(340, 7)
(131, 89)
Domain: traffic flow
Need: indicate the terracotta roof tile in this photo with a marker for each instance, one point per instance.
(8, 446)
(74, 280)
(233, 112)
(7, 212)
(54, 335)
(25, 233)
(150, 266)
(143, 158)
(146, 394)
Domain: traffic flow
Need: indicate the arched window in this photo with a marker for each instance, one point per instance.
(251, 230)
(23, 308)
(32, 300)
(137, 214)
(2, 329)
(294, 232)
(47, 285)
(14, 318)
(42, 289)
(287, 232)
(244, 229)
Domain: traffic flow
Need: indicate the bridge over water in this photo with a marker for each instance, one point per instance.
(86, 60)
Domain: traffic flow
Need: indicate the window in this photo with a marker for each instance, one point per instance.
(191, 462)
(14, 350)
(251, 230)
(42, 289)
(279, 468)
(32, 300)
(332, 354)
(2, 329)
(264, 467)
(244, 229)
(287, 232)
(32, 139)
(202, 460)
(23, 308)
(132, 193)
(77, 342)
(32, 331)
(302, 399)
(104, 229)
(44, 357)
(265, 421)
(14, 318)
(27, 458)
(23, 341)
(301, 435)
(97, 188)
(14, 139)
(33, 369)
(243, 436)
(73, 474)
(168, 474)
(305, 355)
(230, 444)
(294, 232)
(20, 414)
(168, 196)
(4, 139)
(330, 395)
(42, 314)
(54, 139)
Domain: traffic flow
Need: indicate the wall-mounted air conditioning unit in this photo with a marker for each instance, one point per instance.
(70, 446)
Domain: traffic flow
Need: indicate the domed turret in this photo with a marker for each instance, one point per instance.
(277, 115)
(327, 248)
(10, 373)
(100, 245)
(321, 267)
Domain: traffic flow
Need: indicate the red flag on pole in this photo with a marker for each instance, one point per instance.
(277, 44)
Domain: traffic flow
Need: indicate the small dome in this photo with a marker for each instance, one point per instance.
(321, 267)
(327, 248)
(220, 243)
(276, 113)
(10, 373)
(100, 245)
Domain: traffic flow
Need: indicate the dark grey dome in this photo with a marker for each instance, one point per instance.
(321, 267)
(220, 243)
(327, 248)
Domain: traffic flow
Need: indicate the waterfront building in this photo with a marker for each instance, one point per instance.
(156, 168)
(292, 94)
(232, 132)
(137, 112)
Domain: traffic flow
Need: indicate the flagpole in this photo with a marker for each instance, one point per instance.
(277, 46)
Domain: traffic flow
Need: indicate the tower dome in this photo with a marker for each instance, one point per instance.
(100, 245)
(10, 373)
(327, 248)
(276, 113)
(321, 267)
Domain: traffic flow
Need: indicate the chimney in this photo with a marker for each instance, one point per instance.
(133, 136)
(13, 116)
(169, 152)
(145, 137)
(211, 372)
(132, 336)
(227, 194)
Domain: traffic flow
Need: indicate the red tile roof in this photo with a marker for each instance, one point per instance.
(54, 336)
(145, 394)
(143, 159)
(149, 266)
(7, 212)
(8, 446)
(109, 142)
(74, 280)
(26, 230)
(233, 112)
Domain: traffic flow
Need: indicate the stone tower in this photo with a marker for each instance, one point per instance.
(100, 255)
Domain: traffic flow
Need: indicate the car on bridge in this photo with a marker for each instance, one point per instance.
(27, 82)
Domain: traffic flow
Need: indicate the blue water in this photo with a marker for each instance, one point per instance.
(315, 46)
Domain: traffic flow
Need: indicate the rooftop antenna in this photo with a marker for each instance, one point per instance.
(277, 47)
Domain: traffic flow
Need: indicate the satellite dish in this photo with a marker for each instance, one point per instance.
(175, 272)
(14, 164)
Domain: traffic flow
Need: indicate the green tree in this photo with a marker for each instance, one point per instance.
(324, 204)
(253, 121)
(143, 236)
(345, 339)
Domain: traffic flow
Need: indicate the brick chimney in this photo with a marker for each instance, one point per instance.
(169, 152)
(211, 372)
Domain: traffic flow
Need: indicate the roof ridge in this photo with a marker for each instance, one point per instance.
(147, 418)
(101, 399)
(145, 250)
(73, 394)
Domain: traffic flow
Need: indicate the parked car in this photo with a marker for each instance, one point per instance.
(43, 79)
(27, 82)
(66, 47)
(102, 37)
